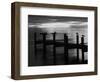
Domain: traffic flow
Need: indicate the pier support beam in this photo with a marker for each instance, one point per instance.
(44, 47)
(35, 47)
(66, 48)
(54, 48)
(77, 49)
(82, 43)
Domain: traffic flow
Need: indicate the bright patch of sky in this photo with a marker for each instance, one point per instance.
(52, 26)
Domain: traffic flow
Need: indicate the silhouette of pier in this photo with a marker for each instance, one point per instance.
(61, 43)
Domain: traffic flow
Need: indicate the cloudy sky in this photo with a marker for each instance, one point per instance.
(53, 21)
(70, 25)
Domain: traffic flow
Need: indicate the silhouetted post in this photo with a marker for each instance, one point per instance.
(35, 48)
(54, 47)
(82, 44)
(44, 47)
(77, 43)
(66, 48)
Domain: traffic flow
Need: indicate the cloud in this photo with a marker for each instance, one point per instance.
(67, 24)
(54, 25)
(59, 26)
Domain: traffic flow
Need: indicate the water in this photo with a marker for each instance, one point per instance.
(39, 60)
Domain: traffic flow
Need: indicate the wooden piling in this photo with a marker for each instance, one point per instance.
(35, 47)
(77, 49)
(82, 44)
(44, 47)
(54, 47)
(66, 48)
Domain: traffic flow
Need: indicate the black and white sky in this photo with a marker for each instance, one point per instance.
(52, 21)
(60, 24)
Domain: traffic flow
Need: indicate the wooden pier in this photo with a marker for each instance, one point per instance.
(60, 43)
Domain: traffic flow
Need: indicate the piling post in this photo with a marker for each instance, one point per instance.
(66, 48)
(54, 47)
(44, 46)
(77, 43)
(35, 47)
(82, 44)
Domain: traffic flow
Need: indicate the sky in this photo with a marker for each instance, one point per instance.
(59, 24)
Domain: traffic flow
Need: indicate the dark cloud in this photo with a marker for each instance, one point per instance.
(37, 19)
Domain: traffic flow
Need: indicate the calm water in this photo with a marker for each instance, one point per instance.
(39, 61)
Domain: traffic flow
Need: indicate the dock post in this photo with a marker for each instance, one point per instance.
(77, 43)
(54, 47)
(44, 47)
(35, 47)
(82, 44)
(66, 48)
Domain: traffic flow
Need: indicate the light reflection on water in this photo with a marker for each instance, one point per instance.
(71, 52)
(59, 51)
(71, 32)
